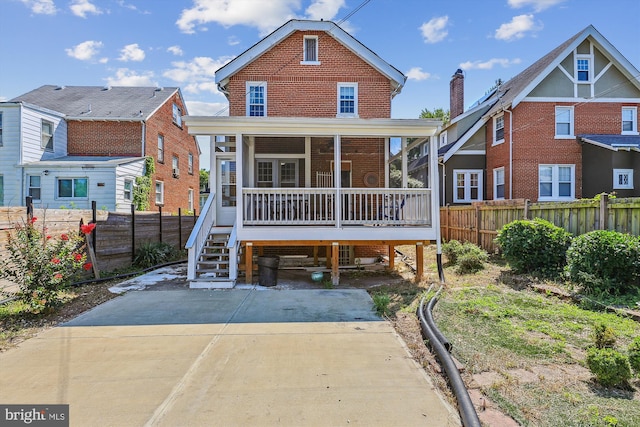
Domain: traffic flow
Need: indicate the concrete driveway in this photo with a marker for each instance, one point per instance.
(226, 358)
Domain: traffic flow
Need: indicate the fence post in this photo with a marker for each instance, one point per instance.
(160, 222)
(180, 228)
(604, 212)
(93, 220)
(527, 209)
(133, 233)
(478, 223)
(29, 205)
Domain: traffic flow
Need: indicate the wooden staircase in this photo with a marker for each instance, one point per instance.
(214, 261)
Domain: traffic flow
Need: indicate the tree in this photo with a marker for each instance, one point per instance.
(437, 113)
(204, 180)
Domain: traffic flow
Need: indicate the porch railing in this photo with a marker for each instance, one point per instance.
(317, 206)
(199, 234)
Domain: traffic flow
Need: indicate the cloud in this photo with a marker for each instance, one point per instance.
(197, 75)
(538, 5)
(263, 15)
(233, 40)
(517, 28)
(488, 65)
(324, 9)
(41, 7)
(82, 7)
(85, 51)
(176, 50)
(435, 31)
(416, 73)
(131, 52)
(198, 108)
(127, 77)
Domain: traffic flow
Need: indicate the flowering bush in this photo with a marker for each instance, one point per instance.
(42, 265)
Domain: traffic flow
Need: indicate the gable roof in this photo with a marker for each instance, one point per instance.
(100, 103)
(512, 92)
(396, 77)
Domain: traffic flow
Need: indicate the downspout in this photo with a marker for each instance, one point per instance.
(144, 138)
(510, 153)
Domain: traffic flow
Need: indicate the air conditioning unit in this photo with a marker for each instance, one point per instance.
(176, 172)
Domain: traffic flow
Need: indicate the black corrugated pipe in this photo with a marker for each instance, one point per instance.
(432, 324)
(465, 405)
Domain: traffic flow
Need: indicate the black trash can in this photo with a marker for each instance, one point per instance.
(268, 270)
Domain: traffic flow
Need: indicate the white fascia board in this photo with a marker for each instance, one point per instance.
(223, 74)
(232, 125)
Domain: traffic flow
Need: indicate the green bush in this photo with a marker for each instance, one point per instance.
(468, 257)
(610, 367)
(604, 336)
(534, 246)
(634, 355)
(154, 253)
(605, 262)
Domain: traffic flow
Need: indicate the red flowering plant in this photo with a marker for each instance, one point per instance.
(43, 265)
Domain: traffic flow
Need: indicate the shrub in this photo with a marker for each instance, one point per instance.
(154, 253)
(451, 250)
(605, 262)
(604, 336)
(381, 303)
(468, 257)
(43, 265)
(634, 355)
(610, 367)
(534, 246)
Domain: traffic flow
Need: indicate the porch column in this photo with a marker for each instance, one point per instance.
(212, 162)
(404, 162)
(387, 150)
(419, 261)
(251, 156)
(248, 263)
(335, 263)
(337, 175)
(307, 161)
(392, 257)
(239, 180)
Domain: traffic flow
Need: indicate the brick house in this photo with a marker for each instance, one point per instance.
(564, 128)
(300, 166)
(78, 144)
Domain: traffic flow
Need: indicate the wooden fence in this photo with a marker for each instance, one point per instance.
(117, 235)
(480, 222)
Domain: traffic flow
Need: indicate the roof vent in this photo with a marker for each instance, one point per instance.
(159, 89)
(108, 87)
(60, 87)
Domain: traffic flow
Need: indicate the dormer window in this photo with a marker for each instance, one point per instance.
(310, 50)
(583, 66)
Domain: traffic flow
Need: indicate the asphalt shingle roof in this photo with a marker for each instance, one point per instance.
(117, 102)
(613, 141)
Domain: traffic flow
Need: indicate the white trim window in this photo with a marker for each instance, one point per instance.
(159, 192)
(310, 51)
(190, 200)
(468, 186)
(629, 120)
(564, 122)
(556, 182)
(177, 115)
(256, 99)
(583, 68)
(160, 148)
(47, 135)
(34, 186)
(347, 100)
(127, 193)
(623, 179)
(498, 184)
(498, 129)
(190, 164)
(425, 148)
(443, 139)
(72, 188)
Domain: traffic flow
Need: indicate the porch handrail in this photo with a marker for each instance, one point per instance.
(199, 234)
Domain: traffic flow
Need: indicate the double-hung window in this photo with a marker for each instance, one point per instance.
(498, 129)
(583, 69)
(443, 139)
(498, 184)
(47, 135)
(190, 164)
(73, 188)
(34, 186)
(128, 190)
(159, 192)
(177, 115)
(160, 149)
(190, 200)
(347, 100)
(623, 179)
(564, 122)
(468, 186)
(629, 120)
(556, 182)
(310, 50)
(256, 99)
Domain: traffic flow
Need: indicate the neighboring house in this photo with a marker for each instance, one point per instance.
(564, 128)
(66, 146)
(301, 164)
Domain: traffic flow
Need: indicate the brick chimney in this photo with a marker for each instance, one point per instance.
(456, 94)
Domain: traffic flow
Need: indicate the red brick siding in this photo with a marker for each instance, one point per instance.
(535, 144)
(295, 90)
(104, 138)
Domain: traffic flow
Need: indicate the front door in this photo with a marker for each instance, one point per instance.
(225, 191)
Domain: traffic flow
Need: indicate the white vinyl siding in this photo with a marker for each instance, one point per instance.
(467, 186)
(629, 120)
(556, 182)
(564, 122)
